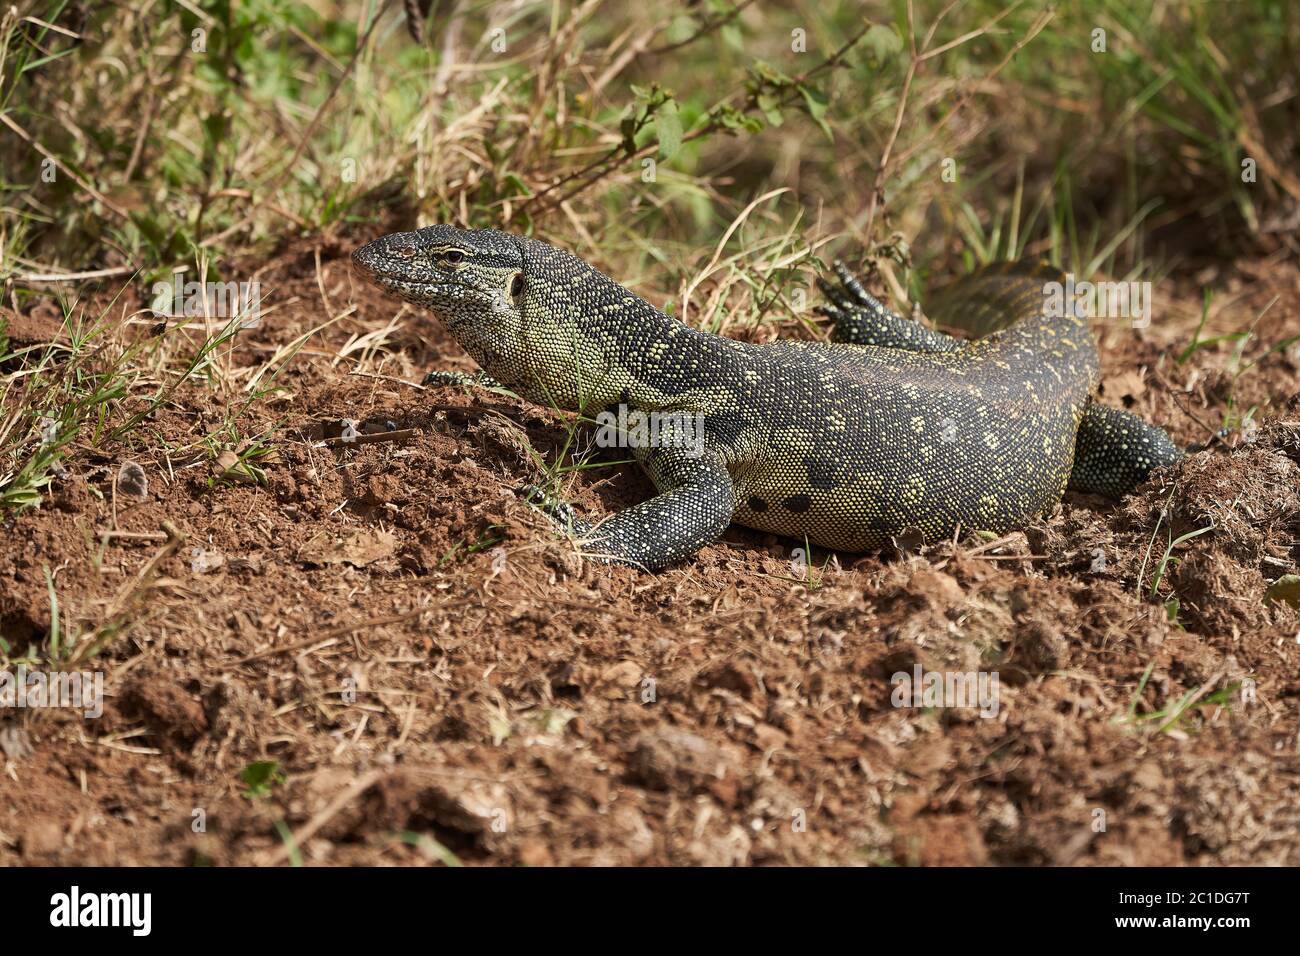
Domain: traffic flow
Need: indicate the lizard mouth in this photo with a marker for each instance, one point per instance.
(429, 294)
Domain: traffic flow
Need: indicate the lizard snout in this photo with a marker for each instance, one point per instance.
(365, 258)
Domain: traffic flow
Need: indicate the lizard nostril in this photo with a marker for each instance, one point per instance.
(405, 252)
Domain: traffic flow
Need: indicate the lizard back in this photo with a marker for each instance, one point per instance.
(850, 445)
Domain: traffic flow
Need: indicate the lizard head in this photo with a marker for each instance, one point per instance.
(463, 275)
(535, 317)
(472, 279)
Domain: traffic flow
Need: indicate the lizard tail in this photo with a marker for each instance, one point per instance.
(1114, 450)
(993, 297)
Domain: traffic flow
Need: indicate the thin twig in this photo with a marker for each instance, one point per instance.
(320, 111)
(705, 30)
(316, 643)
(23, 135)
(370, 438)
(106, 533)
(327, 813)
(925, 53)
(596, 170)
(75, 276)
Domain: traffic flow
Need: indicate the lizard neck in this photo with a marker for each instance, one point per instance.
(593, 344)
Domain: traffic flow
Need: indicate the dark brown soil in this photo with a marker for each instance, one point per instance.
(423, 659)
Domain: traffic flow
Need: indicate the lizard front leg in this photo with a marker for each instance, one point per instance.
(694, 506)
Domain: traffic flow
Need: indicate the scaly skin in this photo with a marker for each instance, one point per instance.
(845, 444)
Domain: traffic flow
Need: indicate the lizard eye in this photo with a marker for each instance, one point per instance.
(453, 256)
(517, 285)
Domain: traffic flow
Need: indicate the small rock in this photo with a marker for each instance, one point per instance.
(201, 562)
(535, 853)
(43, 837)
(132, 481)
(670, 757)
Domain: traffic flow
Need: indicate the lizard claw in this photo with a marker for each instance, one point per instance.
(849, 298)
(441, 377)
(567, 523)
(560, 512)
(478, 379)
(857, 292)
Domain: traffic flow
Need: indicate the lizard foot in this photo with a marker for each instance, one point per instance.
(469, 379)
(560, 512)
(861, 319)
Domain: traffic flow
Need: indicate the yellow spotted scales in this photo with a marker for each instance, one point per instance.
(846, 444)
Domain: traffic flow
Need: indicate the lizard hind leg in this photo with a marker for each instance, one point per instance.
(1114, 451)
(861, 319)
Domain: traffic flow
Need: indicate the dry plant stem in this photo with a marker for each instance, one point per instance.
(107, 534)
(371, 438)
(75, 276)
(318, 641)
(278, 177)
(25, 137)
(327, 813)
(598, 169)
(877, 187)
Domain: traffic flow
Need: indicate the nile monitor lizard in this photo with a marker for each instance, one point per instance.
(845, 444)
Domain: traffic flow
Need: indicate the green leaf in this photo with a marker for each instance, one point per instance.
(682, 27)
(770, 107)
(517, 184)
(766, 73)
(816, 102)
(668, 126)
(260, 777)
(733, 119)
(627, 128)
(883, 41)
